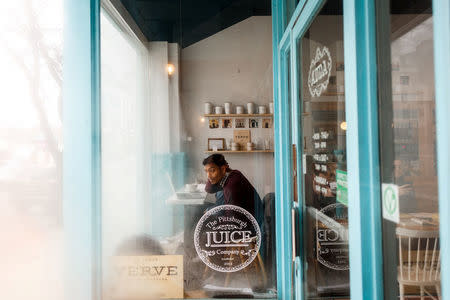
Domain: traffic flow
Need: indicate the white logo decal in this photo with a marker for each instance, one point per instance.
(227, 238)
(319, 72)
(332, 236)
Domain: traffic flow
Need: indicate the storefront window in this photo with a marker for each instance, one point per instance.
(408, 154)
(325, 226)
(187, 152)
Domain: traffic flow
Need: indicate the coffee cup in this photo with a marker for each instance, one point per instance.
(191, 187)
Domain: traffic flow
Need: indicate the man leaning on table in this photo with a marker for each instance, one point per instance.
(231, 186)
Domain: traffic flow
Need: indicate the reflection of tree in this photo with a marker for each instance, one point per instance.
(41, 58)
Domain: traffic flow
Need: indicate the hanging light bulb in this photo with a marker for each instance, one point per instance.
(170, 69)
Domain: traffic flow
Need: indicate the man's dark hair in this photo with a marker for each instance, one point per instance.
(139, 245)
(217, 159)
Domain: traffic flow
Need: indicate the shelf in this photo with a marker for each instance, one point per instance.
(240, 151)
(237, 115)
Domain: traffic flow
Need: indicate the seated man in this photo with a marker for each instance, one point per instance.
(231, 187)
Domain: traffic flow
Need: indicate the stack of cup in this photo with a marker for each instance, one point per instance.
(250, 108)
(262, 109)
(227, 108)
(239, 109)
(208, 108)
(250, 146)
(271, 107)
(219, 110)
(234, 146)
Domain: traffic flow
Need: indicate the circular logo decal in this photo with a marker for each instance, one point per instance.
(319, 72)
(227, 238)
(332, 236)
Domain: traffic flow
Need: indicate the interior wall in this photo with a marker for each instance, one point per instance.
(234, 65)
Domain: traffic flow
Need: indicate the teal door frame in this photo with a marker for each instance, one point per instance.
(441, 27)
(365, 242)
(362, 141)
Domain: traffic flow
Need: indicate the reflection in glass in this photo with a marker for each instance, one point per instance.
(408, 156)
(31, 150)
(324, 156)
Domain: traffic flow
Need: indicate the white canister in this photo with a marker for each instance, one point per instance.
(208, 108)
(227, 106)
(219, 110)
(250, 146)
(262, 109)
(271, 107)
(239, 109)
(267, 144)
(250, 108)
(234, 146)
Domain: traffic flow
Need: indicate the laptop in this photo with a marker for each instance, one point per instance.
(185, 195)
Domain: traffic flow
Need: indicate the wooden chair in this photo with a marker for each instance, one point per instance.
(419, 261)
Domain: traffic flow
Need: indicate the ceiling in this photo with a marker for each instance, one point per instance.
(189, 21)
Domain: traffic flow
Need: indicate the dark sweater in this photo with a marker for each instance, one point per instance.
(239, 191)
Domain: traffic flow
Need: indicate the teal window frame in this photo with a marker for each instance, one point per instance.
(81, 156)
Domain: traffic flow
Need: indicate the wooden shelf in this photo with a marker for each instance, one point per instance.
(237, 115)
(240, 151)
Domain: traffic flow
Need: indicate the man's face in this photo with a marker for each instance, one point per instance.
(215, 173)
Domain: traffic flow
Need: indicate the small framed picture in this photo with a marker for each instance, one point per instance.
(252, 123)
(267, 123)
(213, 123)
(216, 144)
(239, 123)
(226, 123)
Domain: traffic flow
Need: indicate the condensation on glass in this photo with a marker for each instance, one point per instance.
(324, 159)
(182, 87)
(408, 153)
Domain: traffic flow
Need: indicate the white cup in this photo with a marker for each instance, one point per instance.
(227, 108)
(191, 187)
(239, 109)
(219, 110)
(250, 108)
(208, 108)
(262, 109)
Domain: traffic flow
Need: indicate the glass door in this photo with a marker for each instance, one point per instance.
(321, 148)
(411, 242)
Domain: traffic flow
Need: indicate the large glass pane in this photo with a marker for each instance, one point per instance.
(408, 154)
(32, 228)
(175, 225)
(325, 225)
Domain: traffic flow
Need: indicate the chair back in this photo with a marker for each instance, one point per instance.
(419, 255)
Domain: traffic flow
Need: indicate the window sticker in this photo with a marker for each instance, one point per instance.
(227, 238)
(319, 72)
(332, 236)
